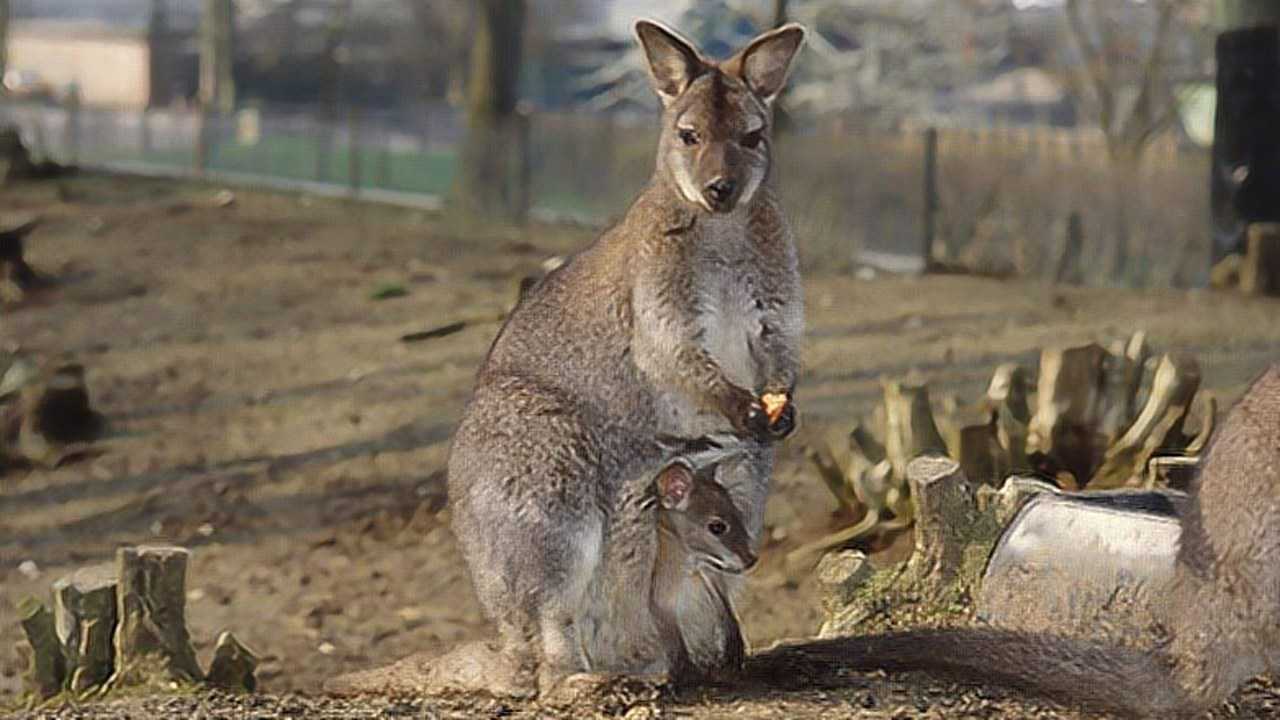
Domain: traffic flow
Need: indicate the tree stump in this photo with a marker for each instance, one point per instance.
(233, 665)
(1007, 395)
(1260, 270)
(944, 511)
(1063, 433)
(151, 610)
(48, 667)
(56, 417)
(1158, 427)
(84, 610)
(16, 276)
(910, 430)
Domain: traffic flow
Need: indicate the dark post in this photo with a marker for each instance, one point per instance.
(930, 196)
(353, 149)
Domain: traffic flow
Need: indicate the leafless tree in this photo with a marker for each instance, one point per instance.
(1124, 81)
(492, 171)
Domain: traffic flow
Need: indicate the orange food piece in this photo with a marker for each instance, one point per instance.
(774, 403)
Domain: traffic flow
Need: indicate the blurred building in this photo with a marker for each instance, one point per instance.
(108, 65)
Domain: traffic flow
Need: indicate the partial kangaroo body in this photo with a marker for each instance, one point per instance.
(655, 604)
(1223, 607)
(676, 322)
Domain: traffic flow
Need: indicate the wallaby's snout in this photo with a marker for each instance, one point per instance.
(749, 560)
(719, 193)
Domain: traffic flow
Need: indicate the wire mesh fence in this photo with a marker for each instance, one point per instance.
(1004, 200)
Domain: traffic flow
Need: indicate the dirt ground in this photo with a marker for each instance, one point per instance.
(264, 412)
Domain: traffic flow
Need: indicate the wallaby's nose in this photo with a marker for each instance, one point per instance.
(749, 561)
(718, 192)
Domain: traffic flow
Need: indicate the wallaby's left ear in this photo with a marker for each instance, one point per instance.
(675, 482)
(766, 61)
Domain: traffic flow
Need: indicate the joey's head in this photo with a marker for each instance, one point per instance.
(717, 116)
(697, 512)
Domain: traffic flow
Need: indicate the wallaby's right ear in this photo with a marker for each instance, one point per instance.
(673, 61)
(675, 481)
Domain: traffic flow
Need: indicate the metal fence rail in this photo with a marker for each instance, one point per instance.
(990, 198)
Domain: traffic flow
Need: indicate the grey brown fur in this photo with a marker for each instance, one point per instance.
(1223, 612)
(656, 607)
(673, 322)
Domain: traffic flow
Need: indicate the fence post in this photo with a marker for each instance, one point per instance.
(200, 156)
(353, 149)
(144, 134)
(73, 126)
(930, 196)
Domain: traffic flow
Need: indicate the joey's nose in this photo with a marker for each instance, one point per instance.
(719, 192)
(748, 562)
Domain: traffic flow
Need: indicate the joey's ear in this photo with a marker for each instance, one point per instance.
(766, 61)
(673, 61)
(675, 481)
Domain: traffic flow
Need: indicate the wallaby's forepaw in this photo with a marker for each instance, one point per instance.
(769, 418)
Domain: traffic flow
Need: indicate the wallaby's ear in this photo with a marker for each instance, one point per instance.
(766, 61)
(675, 481)
(673, 61)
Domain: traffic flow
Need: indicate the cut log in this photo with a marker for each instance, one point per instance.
(944, 510)
(1171, 471)
(233, 665)
(151, 608)
(48, 668)
(1159, 427)
(910, 430)
(1063, 433)
(1007, 396)
(1260, 270)
(84, 611)
(1225, 274)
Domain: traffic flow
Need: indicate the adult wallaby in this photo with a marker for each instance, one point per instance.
(657, 601)
(1223, 615)
(681, 319)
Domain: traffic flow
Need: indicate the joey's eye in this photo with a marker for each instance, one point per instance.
(752, 139)
(688, 137)
(717, 527)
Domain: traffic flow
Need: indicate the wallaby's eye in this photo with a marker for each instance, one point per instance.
(752, 139)
(717, 527)
(688, 137)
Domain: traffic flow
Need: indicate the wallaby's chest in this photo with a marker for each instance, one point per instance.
(730, 285)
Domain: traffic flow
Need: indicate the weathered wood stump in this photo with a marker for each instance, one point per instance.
(1260, 268)
(16, 276)
(151, 610)
(910, 430)
(944, 511)
(233, 665)
(48, 668)
(1063, 433)
(1158, 427)
(84, 613)
(56, 417)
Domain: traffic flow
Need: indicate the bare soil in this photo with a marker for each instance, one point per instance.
(264, 412)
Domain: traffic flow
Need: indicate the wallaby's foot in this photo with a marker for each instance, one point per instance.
(475, 667)
(590, 688)
(480, 667)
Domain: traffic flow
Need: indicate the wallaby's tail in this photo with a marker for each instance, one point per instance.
(1073, 672)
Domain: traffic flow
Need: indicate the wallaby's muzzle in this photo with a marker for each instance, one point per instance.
(720, 194)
